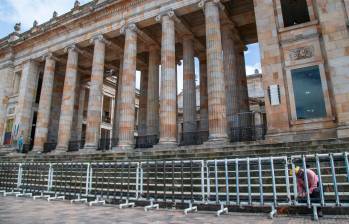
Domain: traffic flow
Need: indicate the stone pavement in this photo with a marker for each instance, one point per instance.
(24, 211)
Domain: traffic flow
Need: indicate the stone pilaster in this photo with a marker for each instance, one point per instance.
(127, 100)
(6, 75)
(26, 98)
(44, 110)
(168, 113)
(142, 119)
(95, 100)
(153, 92)
(115, 134)
(189, 92)
(215, 73)
(203, 96)
(67, 107)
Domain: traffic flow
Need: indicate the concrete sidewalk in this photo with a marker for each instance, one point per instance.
(25, 210)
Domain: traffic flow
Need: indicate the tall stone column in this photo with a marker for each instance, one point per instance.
(117, 101)
(142, 119)
(67, 107)
(215, 73)
(189, 92)
(6, 77)
(81, 111)
(203, 98)
(168, 113)
(127, 100)
(153, 93)
(95, 100)
(26, 98)
(231, 74)
(44, 110)
(243, 93)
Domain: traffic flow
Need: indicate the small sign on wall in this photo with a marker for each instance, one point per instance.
(274, 95)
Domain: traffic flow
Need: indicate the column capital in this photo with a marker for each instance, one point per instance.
(170, 14)
(203, 3)
(73, 47)
(131, 27)
(50, 56)
(100, 38)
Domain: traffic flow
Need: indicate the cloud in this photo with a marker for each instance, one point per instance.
(251, 68)
(26, 11)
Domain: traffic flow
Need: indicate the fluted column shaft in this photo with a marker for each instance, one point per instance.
(117, 101)
(231, 74)
(127, 100)
(142, 118)
(242, 80)
(153, 92)
(168, 113)
(215, 74)
(26, 97)
(95, 101)
(189, 93)
(44, 110)
(203, 96)
(81, 111)
(67, 107)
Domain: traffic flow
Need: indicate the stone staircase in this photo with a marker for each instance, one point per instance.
(205, 151)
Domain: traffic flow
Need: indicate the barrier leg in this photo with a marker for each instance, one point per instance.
(190, 209)
(3, 192)
(97, 201)
(23, 194)
(41, 196)
(11, 193)
(79, 199)
(56, 197)
(315, 215)
(222, 210)
(151, 206)
(127, 204)
(273, 212)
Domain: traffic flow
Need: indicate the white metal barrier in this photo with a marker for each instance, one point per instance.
(258, 182)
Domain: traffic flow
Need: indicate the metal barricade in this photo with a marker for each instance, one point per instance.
(70, 180)
(172, 181)
(249, 181)
(114, 181)
(333, 179)
(10, 177)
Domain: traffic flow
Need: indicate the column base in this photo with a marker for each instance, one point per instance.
(89, 149)
(59, 150)
(165, 144)
(215, 140)
(123, 148)
(36, 150)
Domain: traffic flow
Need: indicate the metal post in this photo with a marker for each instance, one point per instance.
(237, 181)
(287, 179)
(306, 183)
(249, 181)
(273, 181)
(202, 180)
(345, 154)
(318, 168)
(226, 181)
(261, 197)
(216, 181)
(334, 180)
(294, 180)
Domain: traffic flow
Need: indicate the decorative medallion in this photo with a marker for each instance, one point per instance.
(302, 53)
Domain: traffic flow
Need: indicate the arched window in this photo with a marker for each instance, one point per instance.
(294, 12)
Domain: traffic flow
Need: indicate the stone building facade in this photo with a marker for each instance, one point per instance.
(53, 72)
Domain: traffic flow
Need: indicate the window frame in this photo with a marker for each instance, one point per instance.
(325, 91)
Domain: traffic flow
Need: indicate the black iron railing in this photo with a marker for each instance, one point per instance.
(193, 138)
(49, 146)
(74, 146)
(146, 141)
(248, 126)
